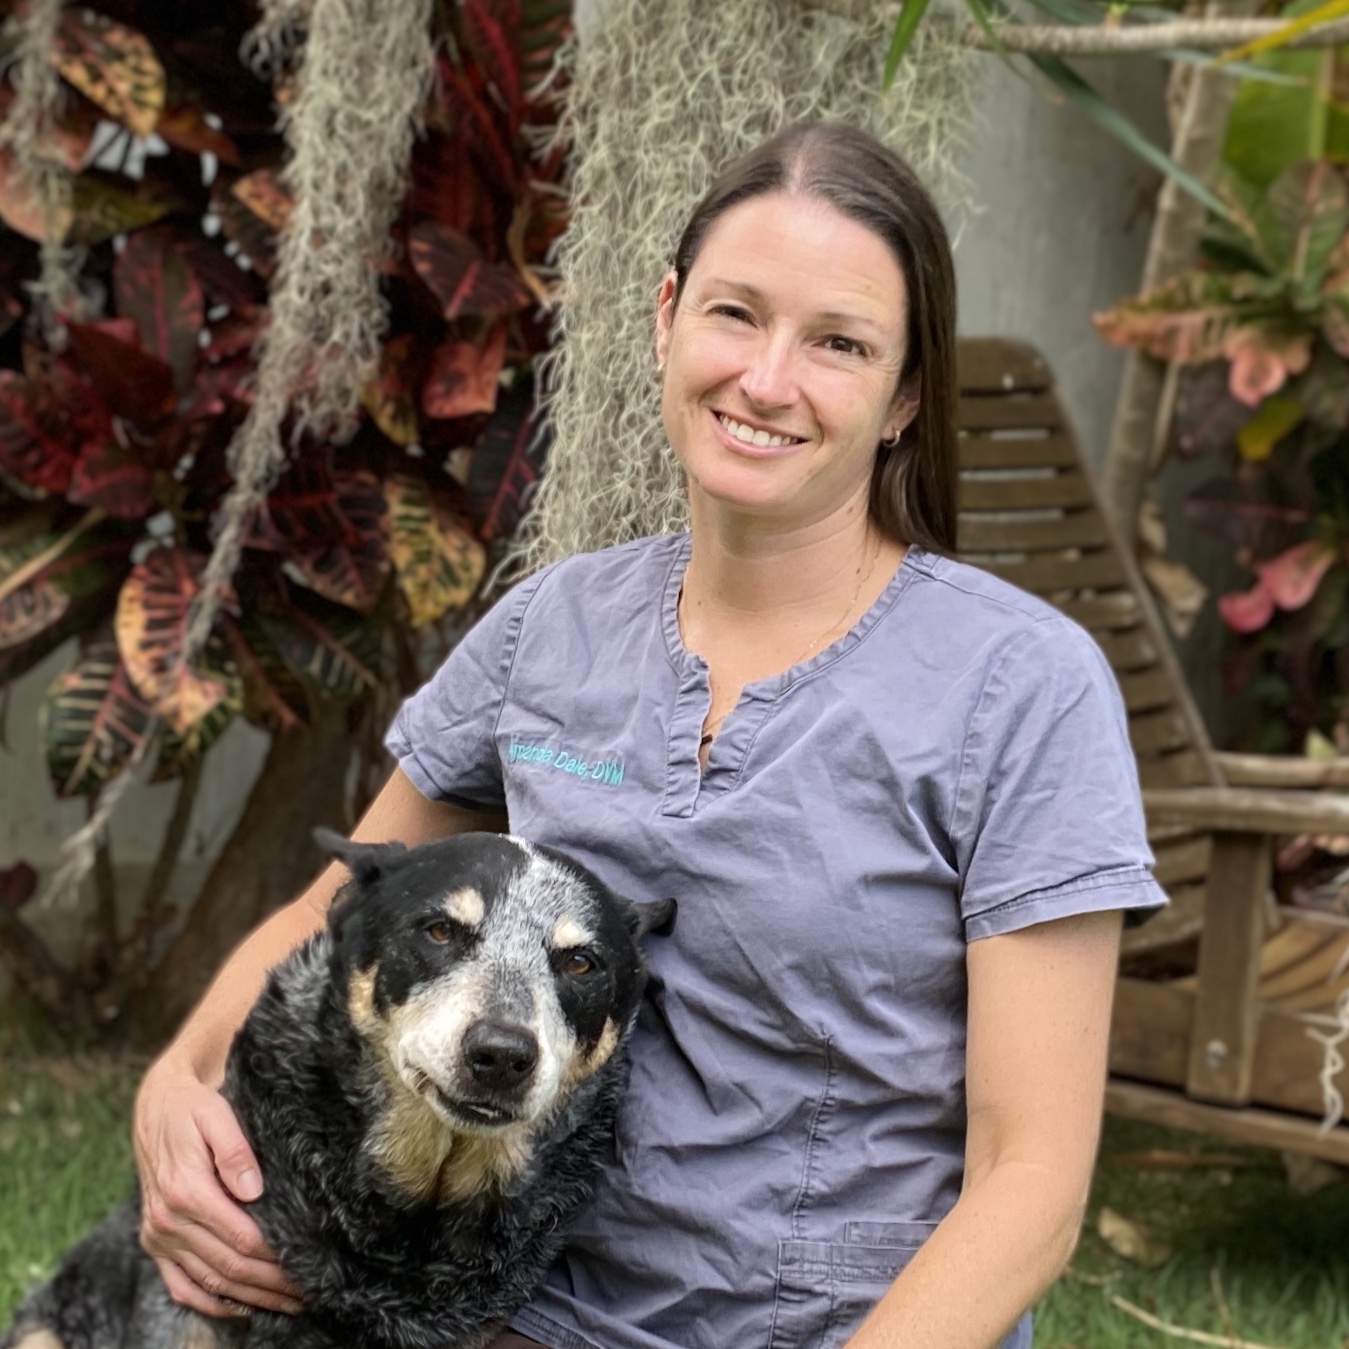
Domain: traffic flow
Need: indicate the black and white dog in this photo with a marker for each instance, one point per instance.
(429, 1086)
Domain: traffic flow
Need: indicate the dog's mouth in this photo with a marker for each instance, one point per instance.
(479, 1114)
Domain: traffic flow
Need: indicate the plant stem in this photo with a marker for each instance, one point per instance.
(104, 955)
(171, 848)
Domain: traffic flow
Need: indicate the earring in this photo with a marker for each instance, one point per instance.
(892, 440)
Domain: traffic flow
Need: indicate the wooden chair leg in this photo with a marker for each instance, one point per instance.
(1226, 1014)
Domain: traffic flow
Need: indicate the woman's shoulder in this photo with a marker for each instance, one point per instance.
(602, 586)
(968, 612)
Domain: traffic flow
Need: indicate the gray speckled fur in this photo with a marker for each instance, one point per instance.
(379, 1268)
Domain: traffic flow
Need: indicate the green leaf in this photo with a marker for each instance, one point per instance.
(178, 753)
(1310, 203)
(910, 16)
(1322, 13)
(1119, 126)
(93, 722)
(1277, 416)
(327, 646)
(1272, 127)
(438, 561)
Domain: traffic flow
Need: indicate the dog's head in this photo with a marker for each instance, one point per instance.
(492, 976)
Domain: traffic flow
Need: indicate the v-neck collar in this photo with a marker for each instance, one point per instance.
(687, 782)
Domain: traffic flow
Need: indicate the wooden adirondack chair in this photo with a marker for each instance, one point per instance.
(1219, 1042)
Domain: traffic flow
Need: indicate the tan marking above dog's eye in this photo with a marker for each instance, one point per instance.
(577, 963)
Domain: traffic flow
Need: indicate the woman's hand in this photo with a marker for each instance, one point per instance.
(195, 1164)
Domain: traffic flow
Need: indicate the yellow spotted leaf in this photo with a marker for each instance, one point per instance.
(113, 66)
(389, 397)
(153, 609)
(1278, 415)
(438, 561)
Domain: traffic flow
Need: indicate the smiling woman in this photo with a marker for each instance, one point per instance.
(893, 796)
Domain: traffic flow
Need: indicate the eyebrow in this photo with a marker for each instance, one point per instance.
(754, 293)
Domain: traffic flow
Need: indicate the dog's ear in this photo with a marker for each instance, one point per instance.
(365, 861)
(656, 917)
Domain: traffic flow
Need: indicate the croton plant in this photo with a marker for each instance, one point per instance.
(112, 439)
(113, 433)
(1261, 324)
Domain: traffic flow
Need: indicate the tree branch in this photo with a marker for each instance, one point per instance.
(1144, 38)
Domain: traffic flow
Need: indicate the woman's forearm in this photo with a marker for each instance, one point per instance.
(203, 1042)
(992, 1257)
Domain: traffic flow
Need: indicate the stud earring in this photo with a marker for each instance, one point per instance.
(892, 440)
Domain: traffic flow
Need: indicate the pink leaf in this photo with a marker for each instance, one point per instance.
(1290, 580)
(1248, 612)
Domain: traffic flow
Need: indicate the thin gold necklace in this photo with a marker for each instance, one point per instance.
(709, 734)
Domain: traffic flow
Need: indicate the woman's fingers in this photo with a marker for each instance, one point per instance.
(233, 1158)
(247, 1285)
(187, 1142)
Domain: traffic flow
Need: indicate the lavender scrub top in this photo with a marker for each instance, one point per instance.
(955, 767)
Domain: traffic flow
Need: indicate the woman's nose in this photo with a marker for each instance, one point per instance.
(768, 378)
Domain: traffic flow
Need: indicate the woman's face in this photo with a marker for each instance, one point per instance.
(783, 357)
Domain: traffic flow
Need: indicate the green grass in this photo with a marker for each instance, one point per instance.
(65, 1156)
(1282, 1260)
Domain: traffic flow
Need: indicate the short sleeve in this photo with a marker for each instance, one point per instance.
(444, 736)
(1048, 818)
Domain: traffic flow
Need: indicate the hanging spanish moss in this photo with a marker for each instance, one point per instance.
(362, 76)
(665, 93)
(31, 117)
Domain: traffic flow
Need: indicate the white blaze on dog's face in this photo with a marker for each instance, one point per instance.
(493, 976)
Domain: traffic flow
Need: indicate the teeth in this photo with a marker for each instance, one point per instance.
(752, 437)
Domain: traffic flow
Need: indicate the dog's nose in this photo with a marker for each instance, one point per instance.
(500, 1055)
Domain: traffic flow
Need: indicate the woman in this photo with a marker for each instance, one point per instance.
(894, 797)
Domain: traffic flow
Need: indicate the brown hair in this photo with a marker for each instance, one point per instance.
(913, 485)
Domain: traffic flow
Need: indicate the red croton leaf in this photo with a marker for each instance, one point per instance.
(224, 280)
(466, 103)
(134, 384)
(463, 376)
(255, 240)
(507, 462)
(273, 697)
(113, 478)
(302, 512)
(264, 194)
(545, 26)
(353, 572)
(454, 269)
(184, 125)
(493, 31)
(153, 610)
(446, 186)
(156, 288)
(33, 449)
(390, 396)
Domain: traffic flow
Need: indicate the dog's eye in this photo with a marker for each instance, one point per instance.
(440, 931)
(577, 963)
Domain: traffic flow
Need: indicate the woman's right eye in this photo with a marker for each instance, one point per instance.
(731, 311)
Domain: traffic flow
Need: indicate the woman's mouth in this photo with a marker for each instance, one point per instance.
(746, 437)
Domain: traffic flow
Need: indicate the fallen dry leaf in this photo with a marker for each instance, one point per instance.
(1131, 1239)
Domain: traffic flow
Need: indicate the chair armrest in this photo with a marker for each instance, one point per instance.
(1242, 811)
(1282, 770)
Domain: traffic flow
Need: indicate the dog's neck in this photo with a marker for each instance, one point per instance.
(429, 1160)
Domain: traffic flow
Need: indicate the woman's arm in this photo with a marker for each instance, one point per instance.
(193, 1159)
(1039, 1024)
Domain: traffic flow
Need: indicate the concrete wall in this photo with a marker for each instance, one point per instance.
(1062, 231)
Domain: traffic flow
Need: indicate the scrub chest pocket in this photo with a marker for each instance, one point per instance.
(826, 1289)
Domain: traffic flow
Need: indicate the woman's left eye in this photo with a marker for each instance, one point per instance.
(731, 311)
(845, 345)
